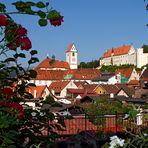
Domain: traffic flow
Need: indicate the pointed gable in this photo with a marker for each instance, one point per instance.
(36, 91)
(58, 86)
(109, 88)
(71, 47)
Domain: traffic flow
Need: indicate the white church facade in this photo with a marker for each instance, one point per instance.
(72, 56)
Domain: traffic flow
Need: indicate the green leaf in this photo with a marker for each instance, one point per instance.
(33, 52)
(40, 5)
(29, 11)
(9, 60)
(53, 14)
(29, 3)
(28, 95)
(2, 7)
(22, 55)
(41, 14)
(31, 84)
(33, 74)
(33, 60)
(42, 22)
(19, 6)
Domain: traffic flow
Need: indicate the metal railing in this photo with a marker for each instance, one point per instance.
(111, 123)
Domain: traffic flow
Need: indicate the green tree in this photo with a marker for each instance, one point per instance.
(145, 48)
(91, 64)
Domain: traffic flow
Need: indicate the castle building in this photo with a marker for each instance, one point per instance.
(125, 54)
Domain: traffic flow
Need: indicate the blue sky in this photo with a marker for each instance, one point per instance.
(92, 25)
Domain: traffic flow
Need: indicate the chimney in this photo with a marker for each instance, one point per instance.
(111, 95)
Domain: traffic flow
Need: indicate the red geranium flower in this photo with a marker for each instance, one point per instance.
(21, 31)
(3, 20)
(16, 106)
(25, 43)
(7, 91)
(57, 22)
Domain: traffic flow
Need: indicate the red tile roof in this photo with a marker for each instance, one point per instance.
(50, 63)
(133, 82)
(50, 75)
(78, 84)
(58, 86)
(84, 74)
(91, 87)
(125, 72)
(69, 47)
(117, 51)
(108, 53)
(122, 50)
(80, 91)
(109, 88)
(77, 74)
(39, 90)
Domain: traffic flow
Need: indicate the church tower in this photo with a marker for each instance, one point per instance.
(72, 56)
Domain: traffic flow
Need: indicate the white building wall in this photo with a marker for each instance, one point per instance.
(64, 91)
(42, 82)
(122, 93)
(142, 58)
(132, 59)
(112, 80)
(134, 76)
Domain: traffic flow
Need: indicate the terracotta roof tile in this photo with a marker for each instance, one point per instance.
(58, 86)
(91, 87)
(108, 53)
(109, 88)
(80, 83)
(50, 63)
(84, 74)
(125, 72)
(122, 50)
(117, 51)
(80, 91)
(39, 90)
(133, 82)
(50, 75)
(69, 47)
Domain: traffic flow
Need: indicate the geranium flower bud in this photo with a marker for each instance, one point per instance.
(14, 105)
(57, 22)
(21, 31)
(25, 43)
(7, 91)
(3, 20)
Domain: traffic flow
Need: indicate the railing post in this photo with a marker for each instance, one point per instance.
(116, 121)
(85, 123)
